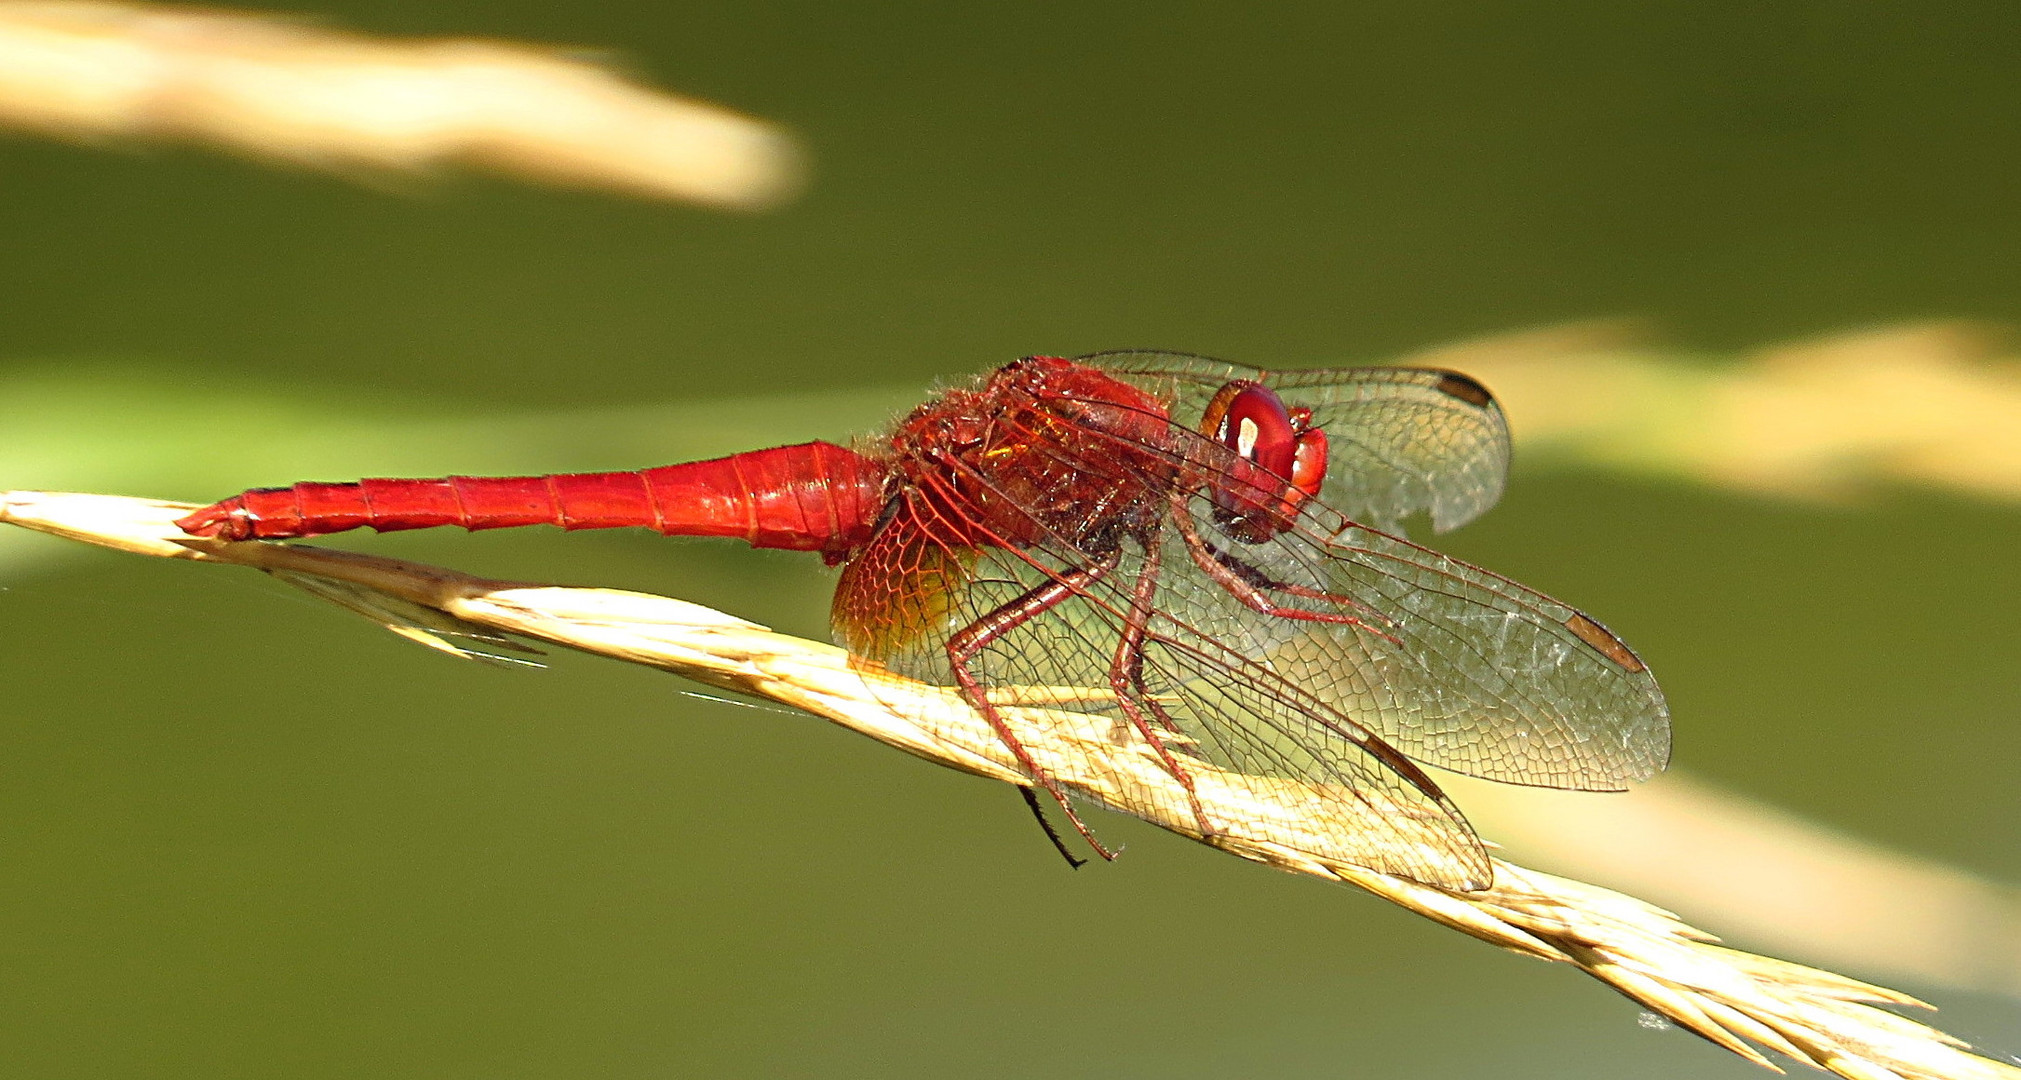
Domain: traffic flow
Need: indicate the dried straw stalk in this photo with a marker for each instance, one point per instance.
(1738, 1000)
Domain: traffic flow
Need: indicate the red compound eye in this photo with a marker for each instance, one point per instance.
(1308, 465)
(1282, 460)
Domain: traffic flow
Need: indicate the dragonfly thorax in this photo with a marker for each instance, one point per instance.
(1043, 450)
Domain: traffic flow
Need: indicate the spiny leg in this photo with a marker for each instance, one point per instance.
(1251, 592)
(1126, 678)
(976, 636)
(1251, 595)
(1039, 812)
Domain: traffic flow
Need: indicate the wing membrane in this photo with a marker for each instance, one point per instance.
(1405, 440)
(1453, 665)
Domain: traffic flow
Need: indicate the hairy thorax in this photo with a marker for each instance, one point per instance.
(1044, 449)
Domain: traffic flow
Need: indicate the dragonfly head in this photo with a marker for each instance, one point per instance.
(1279, 460)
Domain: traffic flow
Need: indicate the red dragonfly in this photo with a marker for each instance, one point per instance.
(1215, 548)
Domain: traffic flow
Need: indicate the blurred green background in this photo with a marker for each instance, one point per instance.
(246, 835)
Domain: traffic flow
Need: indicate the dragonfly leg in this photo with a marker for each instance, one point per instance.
(1251, 585)
(1126, 677)
(965, 645)
(1039, 812)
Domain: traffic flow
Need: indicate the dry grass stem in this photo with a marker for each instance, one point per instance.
(1741, 1001)
(1935, 404)
(280, 89)
(1768, 876)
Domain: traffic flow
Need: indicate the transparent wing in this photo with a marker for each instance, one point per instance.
(1470, 671)
(1451, 664)
(1404, 440)
(1258, 749)
(418, 623)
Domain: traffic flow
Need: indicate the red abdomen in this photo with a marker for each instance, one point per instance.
(812, 497)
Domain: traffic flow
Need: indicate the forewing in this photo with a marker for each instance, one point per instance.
(1455, 666)
(1403, 440)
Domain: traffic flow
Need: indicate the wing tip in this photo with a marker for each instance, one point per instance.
(1603, 641)
(1457, 384)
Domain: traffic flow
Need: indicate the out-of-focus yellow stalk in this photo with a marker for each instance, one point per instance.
(1738, 1000)
(1935, 405)
(280, 89)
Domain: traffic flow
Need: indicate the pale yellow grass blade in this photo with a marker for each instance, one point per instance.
(1931, 404)
(1730, 997)
(281, 89)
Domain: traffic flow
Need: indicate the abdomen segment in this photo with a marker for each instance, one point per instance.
(812, 497)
